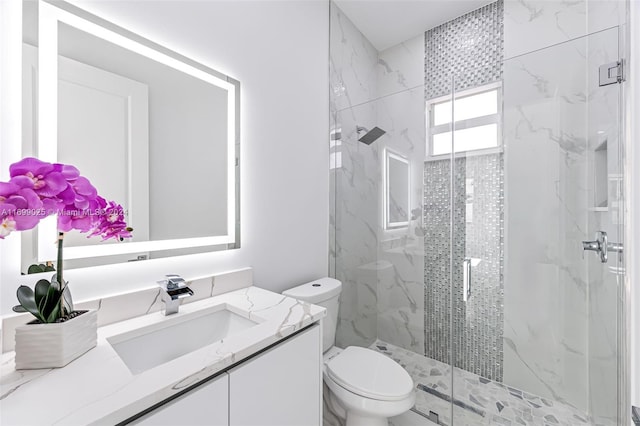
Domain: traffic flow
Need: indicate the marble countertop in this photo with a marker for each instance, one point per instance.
(98, 388)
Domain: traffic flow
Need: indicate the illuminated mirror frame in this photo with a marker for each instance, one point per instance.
(386, 220)
(50, 15)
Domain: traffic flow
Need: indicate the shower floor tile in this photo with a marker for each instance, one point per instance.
(478, 401)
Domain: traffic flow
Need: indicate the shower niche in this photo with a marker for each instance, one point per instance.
(601, 177)
(607, 185)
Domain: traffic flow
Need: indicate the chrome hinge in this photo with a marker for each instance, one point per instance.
(611, 73)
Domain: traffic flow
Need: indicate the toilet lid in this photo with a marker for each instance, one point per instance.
(370, 374)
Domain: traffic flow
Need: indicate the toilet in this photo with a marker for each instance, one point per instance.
(365, 387)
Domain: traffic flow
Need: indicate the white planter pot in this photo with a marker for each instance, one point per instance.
(55, 345)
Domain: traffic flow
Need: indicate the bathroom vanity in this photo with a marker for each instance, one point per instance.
(266, 369)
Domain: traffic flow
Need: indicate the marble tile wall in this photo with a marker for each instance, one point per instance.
(356, 220)
(545, 290)
(603, 284)
(530, 25)
(401, 283)
(381, 271)
(355, 178)
(353, 60)
(560, 308)
(401, 67)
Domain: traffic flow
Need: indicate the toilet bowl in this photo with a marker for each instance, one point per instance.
(364, 387)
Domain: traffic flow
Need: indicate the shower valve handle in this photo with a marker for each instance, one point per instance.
(602, 246)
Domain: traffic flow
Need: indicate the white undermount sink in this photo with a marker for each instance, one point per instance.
(152, 345)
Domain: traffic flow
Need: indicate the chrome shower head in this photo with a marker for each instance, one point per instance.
(371, 135)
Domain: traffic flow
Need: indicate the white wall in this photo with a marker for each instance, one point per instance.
(10, 102)
(278, 51)
(634, 202)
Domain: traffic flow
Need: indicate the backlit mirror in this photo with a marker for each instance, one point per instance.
(153, 130)
(397, 191)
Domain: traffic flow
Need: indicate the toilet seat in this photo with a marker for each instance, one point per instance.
(369, 374)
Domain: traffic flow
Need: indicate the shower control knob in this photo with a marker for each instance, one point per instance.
(602, 246)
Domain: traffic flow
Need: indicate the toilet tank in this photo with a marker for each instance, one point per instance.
(324, 292)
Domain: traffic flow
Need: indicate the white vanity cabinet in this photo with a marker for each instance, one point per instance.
(208, 404)
(281, 386)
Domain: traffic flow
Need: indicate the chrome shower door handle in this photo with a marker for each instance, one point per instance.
(602, 246)
(466, 279)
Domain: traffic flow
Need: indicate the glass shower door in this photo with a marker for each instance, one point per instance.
(535, 317)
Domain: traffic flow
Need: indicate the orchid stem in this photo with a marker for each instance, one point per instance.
(59, 273)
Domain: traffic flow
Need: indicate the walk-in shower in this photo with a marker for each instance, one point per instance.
(511, 157)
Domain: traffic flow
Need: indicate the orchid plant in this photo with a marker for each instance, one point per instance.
(37, 189)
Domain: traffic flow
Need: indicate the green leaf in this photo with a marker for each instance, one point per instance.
(68, 300)
(50, 306)
(41, 289)
(54, 314)
(19, 309)
(49, 268)
(35, 269)
(27, 300)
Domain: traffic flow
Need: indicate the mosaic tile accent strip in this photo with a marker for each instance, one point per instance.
(477, 400)
(470, 48)
(477, 234)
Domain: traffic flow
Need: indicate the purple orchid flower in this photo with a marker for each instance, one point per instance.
(38, 175)
(7, 225)
(110, 222)
(28, 209)
(85, 193)
(73, 218)
(38, 189)
(20, 208)
(7, 210)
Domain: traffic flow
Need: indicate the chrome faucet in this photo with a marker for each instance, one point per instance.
(174, 289)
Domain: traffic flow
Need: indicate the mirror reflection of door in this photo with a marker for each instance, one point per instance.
(397, 190)
(104, 141)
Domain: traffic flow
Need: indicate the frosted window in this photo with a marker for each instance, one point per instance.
(476, 120)
(481, 137)
(467, 107)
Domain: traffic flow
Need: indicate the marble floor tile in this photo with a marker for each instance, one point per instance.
(477, 401)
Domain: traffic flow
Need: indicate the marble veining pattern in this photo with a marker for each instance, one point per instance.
(121, 307)
(400, 252)
(401, 67)
(555, 336)
(604, 280)
(353, 61)
(477, 400)
(115, 393)
(354, 177)
(531, 25)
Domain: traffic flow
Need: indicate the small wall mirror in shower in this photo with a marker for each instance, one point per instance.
(396, 190)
